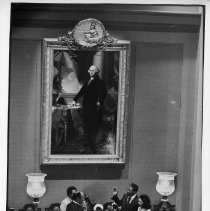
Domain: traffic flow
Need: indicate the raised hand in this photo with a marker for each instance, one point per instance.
(73, 103)
(115, 191)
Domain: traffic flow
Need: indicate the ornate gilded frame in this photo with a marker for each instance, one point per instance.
(49, 46)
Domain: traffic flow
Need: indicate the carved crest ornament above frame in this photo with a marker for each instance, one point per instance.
(88, 34)
(93, 129)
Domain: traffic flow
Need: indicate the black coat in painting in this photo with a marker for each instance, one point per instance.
(92, 92)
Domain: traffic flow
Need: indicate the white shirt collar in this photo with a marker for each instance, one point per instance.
(132, 197)
(75, 202)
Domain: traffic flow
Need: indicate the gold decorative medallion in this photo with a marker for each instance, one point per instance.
(88, 34)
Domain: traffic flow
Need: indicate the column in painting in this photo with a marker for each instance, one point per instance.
(98, 60)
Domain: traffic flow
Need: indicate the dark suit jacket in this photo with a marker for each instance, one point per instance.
(74, 207)
(92, 93)
(132, 206)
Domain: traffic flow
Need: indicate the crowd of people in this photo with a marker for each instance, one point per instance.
(78, 201)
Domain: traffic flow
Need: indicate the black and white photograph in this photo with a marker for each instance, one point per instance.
(105, 106)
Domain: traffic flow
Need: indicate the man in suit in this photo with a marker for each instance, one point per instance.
(75, 204)
(93, 93)
(70, 191)
(129, 201)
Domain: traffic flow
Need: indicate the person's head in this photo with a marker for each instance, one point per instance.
(93, 71)
(29, 207)
(132, 189)
(92, 25)
(77, 197)
(70, 191)
(115, 206)
(55, 207)
(98, 207)
(144, 201)
(111, 206)
(108, 206)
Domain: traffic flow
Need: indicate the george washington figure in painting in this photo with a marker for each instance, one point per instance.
(84, 102)
(93, 93)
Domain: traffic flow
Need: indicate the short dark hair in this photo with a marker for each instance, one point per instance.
(26, 206)
(52, 206)
(70, 189)
(134, 186)
(107, 204)
(76, 196)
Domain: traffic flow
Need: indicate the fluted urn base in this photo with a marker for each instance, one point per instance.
(36, 203)
(164, 205)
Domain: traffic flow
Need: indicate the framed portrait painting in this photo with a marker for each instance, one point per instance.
(84, 103)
